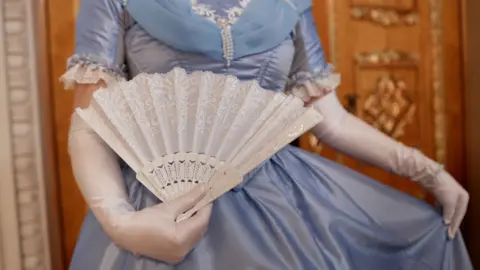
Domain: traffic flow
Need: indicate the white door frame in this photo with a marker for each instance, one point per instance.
(24, 237)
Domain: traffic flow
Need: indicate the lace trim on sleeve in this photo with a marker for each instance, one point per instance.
(90, 70)
(315, 84)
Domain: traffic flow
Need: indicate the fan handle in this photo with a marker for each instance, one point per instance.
(225, 180)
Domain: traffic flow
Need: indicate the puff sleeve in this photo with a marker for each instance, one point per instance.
(99, 44)
(310, 77)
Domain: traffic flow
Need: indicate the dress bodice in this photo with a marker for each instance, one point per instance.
(145, 54)
(113, 44)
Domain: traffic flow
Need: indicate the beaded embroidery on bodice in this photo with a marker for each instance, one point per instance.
(224, 15)
(225, 21)
(230, 15)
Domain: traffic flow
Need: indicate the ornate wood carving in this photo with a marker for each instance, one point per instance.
(385, 16)
(389, 107)
(387, 57)
(396, 4)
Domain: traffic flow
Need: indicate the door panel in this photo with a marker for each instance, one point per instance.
(382, 76)
(389, 54)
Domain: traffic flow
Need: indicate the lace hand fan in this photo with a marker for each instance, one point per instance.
(178, 130)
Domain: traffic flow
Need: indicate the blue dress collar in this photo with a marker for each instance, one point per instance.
(263, 25)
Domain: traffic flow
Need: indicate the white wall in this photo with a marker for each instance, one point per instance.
(23, 231)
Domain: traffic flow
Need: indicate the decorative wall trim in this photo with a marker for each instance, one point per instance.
(332, 22)
(9, 233)
(436, 33)
(387, 58)
(22, 196)
(389, 107)
(386, 17)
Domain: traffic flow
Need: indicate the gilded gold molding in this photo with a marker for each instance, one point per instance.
(387, 57)
(436, 33)
(314, 144)
(389, 108)
(385, 17)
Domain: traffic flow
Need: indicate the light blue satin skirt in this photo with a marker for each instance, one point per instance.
(298, 211)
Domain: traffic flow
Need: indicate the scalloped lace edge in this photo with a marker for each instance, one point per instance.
(315, 88)
(83, 74)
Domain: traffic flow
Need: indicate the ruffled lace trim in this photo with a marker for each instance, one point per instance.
(89, 70)
(310, 86)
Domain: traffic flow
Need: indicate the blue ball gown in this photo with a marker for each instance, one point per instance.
(296, 211)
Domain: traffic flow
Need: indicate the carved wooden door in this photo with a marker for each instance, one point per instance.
(389, 55)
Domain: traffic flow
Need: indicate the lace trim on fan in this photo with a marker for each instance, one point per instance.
(89, 70)
(313, 85)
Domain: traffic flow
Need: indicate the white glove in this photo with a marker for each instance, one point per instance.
(151, 232)
(350, 135)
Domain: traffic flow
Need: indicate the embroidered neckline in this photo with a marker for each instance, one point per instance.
(233, 13)
(225, 22)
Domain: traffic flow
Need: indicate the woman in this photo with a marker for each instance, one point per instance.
(297, 210)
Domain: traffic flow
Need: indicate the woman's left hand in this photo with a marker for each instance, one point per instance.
(452, 196)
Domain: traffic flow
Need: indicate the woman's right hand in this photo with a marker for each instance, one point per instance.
(154, 232)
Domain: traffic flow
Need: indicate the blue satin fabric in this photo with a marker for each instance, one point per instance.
(297, 211)
(99, 35)
(262, 26)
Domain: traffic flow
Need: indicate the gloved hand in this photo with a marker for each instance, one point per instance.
(350, 135)
(155, 233)
(151, 232)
